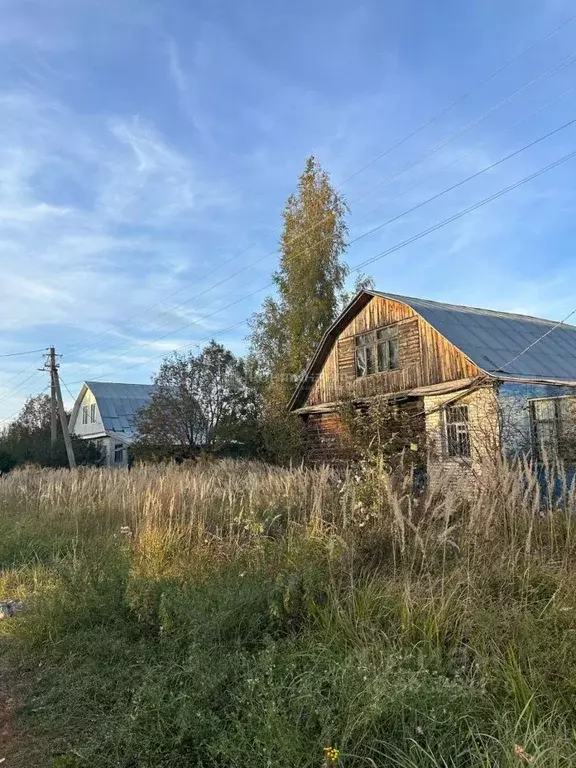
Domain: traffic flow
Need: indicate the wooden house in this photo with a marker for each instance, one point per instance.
(473, 379)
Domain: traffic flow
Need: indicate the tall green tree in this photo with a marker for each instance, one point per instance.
(310, 277)
(309, 285)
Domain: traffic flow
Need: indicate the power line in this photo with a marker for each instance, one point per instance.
(17, 375)
(537, 341)
(474, 148)
(398, 172)
(464, 212)
(13, 390)
(9, 418)
(368, 232)
(30, 352)
(467, 179)
(67, 390)
(398, 246)
(424, 125)
(464, 96)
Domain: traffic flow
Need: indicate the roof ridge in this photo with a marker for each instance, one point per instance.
(115, 384)
(467, 307)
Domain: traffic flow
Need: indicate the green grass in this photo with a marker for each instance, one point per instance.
(422, 638)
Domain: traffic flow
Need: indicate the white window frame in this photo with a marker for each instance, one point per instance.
(457, 431)
(84, 414)
(93, 413)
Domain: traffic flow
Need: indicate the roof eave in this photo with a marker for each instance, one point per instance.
(515, 379)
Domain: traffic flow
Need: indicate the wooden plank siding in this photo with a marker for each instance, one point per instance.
(425, 357)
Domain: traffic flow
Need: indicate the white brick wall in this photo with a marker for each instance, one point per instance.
(482, 426)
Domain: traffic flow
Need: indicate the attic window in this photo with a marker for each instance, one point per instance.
(377, 351)
(93, 413)
(84, 414)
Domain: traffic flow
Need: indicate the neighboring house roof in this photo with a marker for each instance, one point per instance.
(489, 339)
(117, 404)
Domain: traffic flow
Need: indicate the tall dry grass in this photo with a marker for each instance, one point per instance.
(503, 503)
(239, 614)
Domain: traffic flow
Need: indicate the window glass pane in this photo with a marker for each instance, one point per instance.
(458, 437)
(93, 413)
(361, 362)
(364, 339)
(383, 358)
(377, 351)
(393, 354)
(84, 414)
(455, 413)
(370, 361)
(386, 333)
(547, 432)
(545, 409)
(118, 453)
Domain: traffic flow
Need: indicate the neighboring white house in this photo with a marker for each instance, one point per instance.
(104, 413)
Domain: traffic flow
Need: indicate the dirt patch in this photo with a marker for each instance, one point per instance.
(10, 699)
(16, 748)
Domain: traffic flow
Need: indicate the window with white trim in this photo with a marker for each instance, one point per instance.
(457, 431)
(377, 351)
(84, 414)
(93, 413)
(118, 453)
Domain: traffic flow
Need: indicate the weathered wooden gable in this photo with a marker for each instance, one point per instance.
(425, 356)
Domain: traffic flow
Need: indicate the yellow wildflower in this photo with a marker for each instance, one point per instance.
(331, 754)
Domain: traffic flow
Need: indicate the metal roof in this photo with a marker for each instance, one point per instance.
(491, 340)
(498, 343)
(118, 403)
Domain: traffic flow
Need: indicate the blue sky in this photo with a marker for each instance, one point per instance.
(147, 148)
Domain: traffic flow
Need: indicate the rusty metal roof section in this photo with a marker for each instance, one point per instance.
(499, 343)
(118, 403)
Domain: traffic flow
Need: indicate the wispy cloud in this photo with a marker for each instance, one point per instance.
(144, 144)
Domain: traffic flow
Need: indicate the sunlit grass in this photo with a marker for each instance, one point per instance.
(235, 614)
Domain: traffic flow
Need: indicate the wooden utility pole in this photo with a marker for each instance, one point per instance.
(53, 402)
(56, 399)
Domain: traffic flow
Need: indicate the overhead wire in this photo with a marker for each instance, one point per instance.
(13, 415)
(424, 125)
(66, 388)
(398, 172)
(29, 352)
(361, 236)
(537, 341)
(403, 243)
(484, 378)
(7, 391)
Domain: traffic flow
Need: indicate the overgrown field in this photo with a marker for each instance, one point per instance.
(240, 616)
